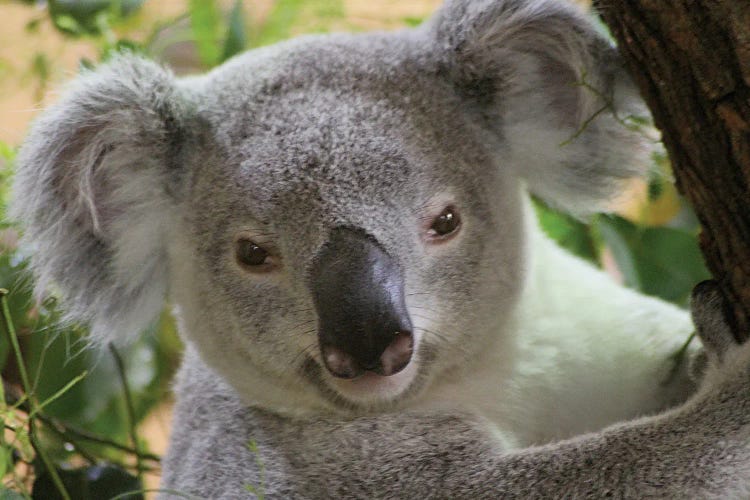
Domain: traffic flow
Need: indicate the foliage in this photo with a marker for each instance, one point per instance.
(64, 404)
(71, 414)
(654, 249)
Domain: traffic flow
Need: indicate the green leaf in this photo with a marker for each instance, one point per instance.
(40, 67)
(655, 188)
(58, 394)
(86, 64)
(236, 39)
(56, 358)
(13, 278)
(279, 21)
(33, 25)
(412, 21)
(568, 232)
(84, 17)
(6, 494)
(206, 24)
(107, 51)
(661, 261)
(128, 7)
(6, 460)
(328, 9)
(89, 483)
(7, 157)
(620, 248)
(7, 153)
(310, 15)
(67, 24)
(252, 446)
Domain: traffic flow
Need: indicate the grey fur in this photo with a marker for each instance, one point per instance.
(700, 450)
(137, 184)
(96, 168)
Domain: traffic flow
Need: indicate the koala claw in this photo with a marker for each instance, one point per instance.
(708, 308)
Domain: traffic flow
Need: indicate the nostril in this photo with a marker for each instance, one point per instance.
(392, 359)
(339, 363)
(397, 355)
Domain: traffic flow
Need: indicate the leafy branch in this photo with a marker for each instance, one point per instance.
(35, 406)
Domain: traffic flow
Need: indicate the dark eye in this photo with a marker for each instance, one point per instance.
(250, 254)
(444, 224)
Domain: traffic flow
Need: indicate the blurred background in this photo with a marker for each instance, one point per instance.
(86, 424)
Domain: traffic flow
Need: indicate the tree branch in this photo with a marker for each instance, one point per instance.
(691, 61)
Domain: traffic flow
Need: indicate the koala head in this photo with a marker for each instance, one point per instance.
(337, 220)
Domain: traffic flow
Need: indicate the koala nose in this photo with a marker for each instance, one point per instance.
(358, 292)
(393, 359)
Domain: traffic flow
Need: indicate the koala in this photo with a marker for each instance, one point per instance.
(342, 225)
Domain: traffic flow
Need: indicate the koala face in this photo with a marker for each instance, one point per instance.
(397, 172)
(337, 220)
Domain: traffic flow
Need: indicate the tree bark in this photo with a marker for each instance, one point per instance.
(691, 61)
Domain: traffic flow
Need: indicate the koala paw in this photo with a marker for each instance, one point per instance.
(708, 308)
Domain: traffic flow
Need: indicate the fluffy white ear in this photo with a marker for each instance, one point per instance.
(552, 89)
(95, 192)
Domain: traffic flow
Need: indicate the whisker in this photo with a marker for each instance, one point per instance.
(295, 311)
(304, 323)
(282, 307)
(423, 206)
(262, 233)
(423, 308)
(438, 335)
(302, 352)
(311, 331)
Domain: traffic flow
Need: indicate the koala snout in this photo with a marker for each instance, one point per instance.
(358, 292)
(393, 359)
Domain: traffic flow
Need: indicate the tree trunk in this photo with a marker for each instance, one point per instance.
(691, 61)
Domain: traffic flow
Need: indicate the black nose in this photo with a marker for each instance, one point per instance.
(358, 292)
(393, 359)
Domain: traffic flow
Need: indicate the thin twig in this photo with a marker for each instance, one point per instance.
(27, 389)
(585, 125)
(130, 409)
(156, 490)
(14, 341)
(608, 105)
(74, 433)
(56, 395)
(47, 462)
(70, 433)
(678, 358)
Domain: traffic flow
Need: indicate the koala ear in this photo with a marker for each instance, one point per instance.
(551, 88)
(95, 190)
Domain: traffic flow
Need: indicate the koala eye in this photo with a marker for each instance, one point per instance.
(251, 255)
(445, 224)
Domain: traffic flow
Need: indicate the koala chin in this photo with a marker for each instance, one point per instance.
(342, 225)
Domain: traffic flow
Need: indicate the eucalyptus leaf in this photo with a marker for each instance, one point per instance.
(568, 232)
(236, 38)
(661, 261)
(89, 483)
(278, 23)
(83, 17)
(6, 494)
(206, 24)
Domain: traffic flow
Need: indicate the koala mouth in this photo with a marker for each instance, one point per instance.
(370, 391)
(369, 387)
